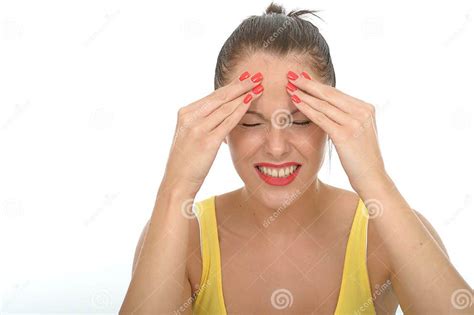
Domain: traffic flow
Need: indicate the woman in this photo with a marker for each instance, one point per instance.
(286, 241)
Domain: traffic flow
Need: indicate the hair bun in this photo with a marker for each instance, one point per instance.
(275, 8)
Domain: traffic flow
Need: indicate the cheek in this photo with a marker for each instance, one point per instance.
(312, 135)
(242, 144)
(242, 141)
(310, 141)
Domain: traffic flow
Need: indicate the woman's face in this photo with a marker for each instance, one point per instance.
(274, 131)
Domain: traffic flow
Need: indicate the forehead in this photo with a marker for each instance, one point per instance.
(274, 69)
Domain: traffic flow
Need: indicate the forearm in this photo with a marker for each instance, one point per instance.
(425, 278)
(159, 282)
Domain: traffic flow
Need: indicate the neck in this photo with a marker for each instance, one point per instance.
(296, 212)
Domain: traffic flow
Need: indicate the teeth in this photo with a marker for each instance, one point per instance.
(280, 172)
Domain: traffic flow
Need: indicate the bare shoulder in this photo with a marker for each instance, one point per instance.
(377, 256)
(348, 201)
(341, 199)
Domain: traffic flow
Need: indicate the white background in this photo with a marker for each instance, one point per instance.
(88, 104)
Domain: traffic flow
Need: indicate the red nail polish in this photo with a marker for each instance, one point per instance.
(247, 98)
(244, 76)
(290, 86)
(292, 75)
(295, 98)
(306, 75)
(258, 89)
(256, 77)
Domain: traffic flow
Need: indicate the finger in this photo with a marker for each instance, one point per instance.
(324, 92)
(236, 88)
(230, 121)
(319, 118)
(334, 113)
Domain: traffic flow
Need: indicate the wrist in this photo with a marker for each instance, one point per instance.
(177, 190)
(378, 181)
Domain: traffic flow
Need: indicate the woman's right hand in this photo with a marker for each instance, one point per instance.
(201, 128)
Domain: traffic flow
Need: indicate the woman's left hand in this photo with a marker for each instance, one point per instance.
(348, 121)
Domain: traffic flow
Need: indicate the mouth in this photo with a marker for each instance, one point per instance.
(278, 174)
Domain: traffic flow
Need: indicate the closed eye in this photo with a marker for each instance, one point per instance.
(300, 123)
(250, 125)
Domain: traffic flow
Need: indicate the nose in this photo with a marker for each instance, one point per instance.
(276, 144)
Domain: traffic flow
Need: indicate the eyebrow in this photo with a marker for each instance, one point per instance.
(261, 115)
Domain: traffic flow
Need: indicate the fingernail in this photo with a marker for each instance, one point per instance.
(247, 98)
(292, 75)
(244, 76)
(257, 77)
(290, 86)
(306, 75)
(295, 98)
(258, 89)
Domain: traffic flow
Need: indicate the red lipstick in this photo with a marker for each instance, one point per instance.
(275, 180)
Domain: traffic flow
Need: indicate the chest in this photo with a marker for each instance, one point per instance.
(261, 274)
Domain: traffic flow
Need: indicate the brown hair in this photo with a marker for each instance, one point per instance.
(277, 33)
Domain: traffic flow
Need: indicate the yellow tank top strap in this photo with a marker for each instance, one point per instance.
(210, 299)
(355, 295)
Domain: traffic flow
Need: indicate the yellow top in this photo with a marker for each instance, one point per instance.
(354, 296)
